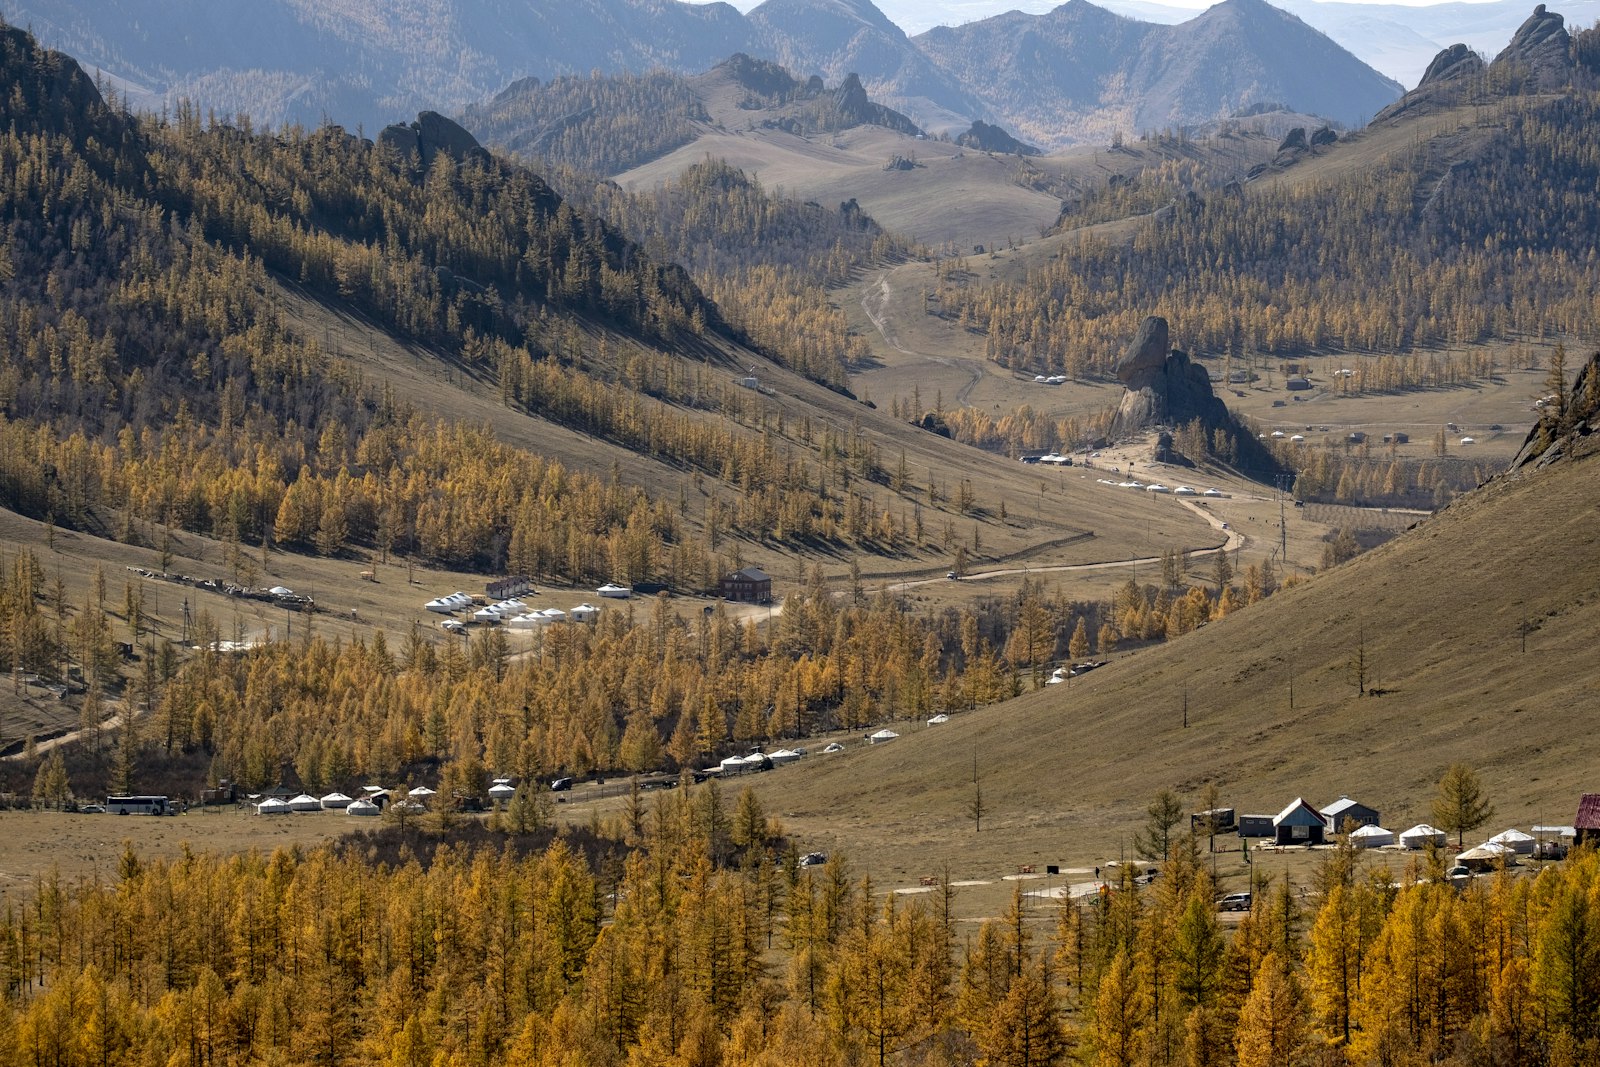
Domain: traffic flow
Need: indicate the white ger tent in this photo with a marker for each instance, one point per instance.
(305, 802)
(273, 806)
(881, 736)
(1371, 837)
(1514, 839)
(1421, 836)
(334, 801)
(363, 807)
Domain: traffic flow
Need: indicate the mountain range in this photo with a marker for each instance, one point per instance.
(364, 63)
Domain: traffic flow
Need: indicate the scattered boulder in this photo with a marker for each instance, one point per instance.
(1295, 141)
(1324, 137)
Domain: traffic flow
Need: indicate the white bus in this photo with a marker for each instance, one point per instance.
(129, 805)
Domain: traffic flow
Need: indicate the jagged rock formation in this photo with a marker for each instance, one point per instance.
(1557, 432)
(855, 109)
(987, 138)
(1456, 63)
(1538, 59)
(1163, 388)
(432, 133)
(1541, 49)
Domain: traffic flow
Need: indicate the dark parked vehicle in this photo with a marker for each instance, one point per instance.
(557, 785)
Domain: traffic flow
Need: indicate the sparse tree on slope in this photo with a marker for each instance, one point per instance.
(1461, 804)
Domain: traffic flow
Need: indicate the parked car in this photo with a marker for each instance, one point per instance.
(557, 785)
(813, 859)
(1234, 902)
(93, 809)
(952, 575)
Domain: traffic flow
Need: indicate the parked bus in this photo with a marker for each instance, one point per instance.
(138, 806)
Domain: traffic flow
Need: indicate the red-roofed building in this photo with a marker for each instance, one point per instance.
(1587, 822)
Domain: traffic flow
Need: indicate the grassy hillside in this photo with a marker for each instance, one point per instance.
(1438, 616)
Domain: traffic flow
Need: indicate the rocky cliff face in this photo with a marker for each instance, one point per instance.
(1559, 433)
(1539, 59)
(1541, 50)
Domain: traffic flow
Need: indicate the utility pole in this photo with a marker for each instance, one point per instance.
(1283, 522)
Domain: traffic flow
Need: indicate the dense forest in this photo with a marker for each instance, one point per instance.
(683, 942)
(642, 690)
(602, 124)
(1288, 268)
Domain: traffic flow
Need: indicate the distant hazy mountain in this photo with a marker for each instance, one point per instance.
(834, 38)
(1078, 72)
(1398, 40)
(371, 61)
(1085, 71)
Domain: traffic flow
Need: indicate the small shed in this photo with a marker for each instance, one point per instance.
(751, 585)
(1421, 836)
(1297, 385)
(1587, 821)
(504, 588)
(1255, 826)
(1299, 824)
(1371, 836)
(1214, 820)
(1345, 815)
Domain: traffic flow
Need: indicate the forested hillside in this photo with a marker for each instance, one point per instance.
(151, 380)
(1285, 265)
(766, 260)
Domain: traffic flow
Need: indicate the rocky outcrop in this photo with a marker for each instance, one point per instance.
(1539, 59)
(1540, 51)
(1164, 388)
(431, 134)
(855, 109)
(987, 138)
(1560, 433)
(1446, 81)
(1456, 63)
